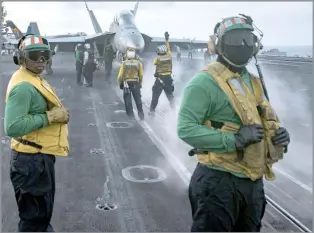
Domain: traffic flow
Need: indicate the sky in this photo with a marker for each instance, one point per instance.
(283, 23)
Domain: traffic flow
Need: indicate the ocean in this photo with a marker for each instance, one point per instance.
(302, 51)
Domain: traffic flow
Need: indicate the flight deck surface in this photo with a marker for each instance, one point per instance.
(113, 163)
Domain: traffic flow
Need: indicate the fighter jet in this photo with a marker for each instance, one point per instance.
(34, 29)
(123, 33)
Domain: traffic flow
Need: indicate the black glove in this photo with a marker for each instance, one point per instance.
(247, 135)
(282, 137)
(166, 35)
(121, 86)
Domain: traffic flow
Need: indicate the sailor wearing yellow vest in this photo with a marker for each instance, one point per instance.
(164, 81)
(130, 79)
(36, 121)
(237, 135)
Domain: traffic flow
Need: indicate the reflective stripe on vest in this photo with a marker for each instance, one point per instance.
(54, 137)
(259, 157)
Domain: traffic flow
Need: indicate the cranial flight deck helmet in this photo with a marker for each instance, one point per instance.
(32, 48)
(235, 41)
(161, 49)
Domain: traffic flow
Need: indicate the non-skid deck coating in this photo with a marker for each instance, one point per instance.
(92, 175)
(160, 206)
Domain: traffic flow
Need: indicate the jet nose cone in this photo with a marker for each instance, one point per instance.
(137, 43)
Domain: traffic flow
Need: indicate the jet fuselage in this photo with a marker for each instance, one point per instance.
(126, 33)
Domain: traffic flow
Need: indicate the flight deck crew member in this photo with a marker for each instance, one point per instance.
(36, 121)
(49, 64)
(79, 60)
(178, 53)
(89, 66)
(109, 56)
(236, 134)
(164, 81)
(130, 79)
(190, 52)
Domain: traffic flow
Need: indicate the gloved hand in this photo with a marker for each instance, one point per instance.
(166, 35)
(247, 135)
(121, 86)
(282, 137)
(58, 115)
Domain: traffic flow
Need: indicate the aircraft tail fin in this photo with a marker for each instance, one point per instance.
(16, 32)
(135, 8)
(95, 23)
(33, 28)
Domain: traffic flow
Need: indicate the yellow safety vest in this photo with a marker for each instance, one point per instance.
(54, 137)
(259, 157)
(131, 69)
(164, 65)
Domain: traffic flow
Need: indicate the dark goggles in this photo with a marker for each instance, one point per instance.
(239, 37)
(38, 55)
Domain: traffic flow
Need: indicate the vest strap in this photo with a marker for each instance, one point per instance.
(28, 143)
(214, 124)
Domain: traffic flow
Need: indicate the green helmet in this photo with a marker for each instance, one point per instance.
(232, 23)
(33, 43)
(235, 41)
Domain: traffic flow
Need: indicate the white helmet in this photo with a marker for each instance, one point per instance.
(87, 46)
(161, 49)
(130, 54)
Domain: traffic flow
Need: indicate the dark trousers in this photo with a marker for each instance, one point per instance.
(88, 73)
(33, 180)
(190, 55)
(108, 69)
(222, 202)
(79, 69)
(158, 87)
(134, 90)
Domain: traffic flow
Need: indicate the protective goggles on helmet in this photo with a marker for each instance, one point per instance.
(239, 38)
(38, 55)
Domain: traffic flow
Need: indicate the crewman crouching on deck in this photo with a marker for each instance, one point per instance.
(130, 79)
(226, 116)
(164, 81)
(36, 121)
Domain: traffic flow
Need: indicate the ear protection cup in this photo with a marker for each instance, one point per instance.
(213, 43)
(17, 55)
(257, 46)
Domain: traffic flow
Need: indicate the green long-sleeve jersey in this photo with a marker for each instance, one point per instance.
(24, 111)
(204, 100)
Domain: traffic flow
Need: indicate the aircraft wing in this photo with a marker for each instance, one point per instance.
(70, 39)
(182, 43)
(100, 37)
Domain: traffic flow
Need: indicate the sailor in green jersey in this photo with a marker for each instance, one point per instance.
(36, 121)
(237, 135)
(79, 59)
